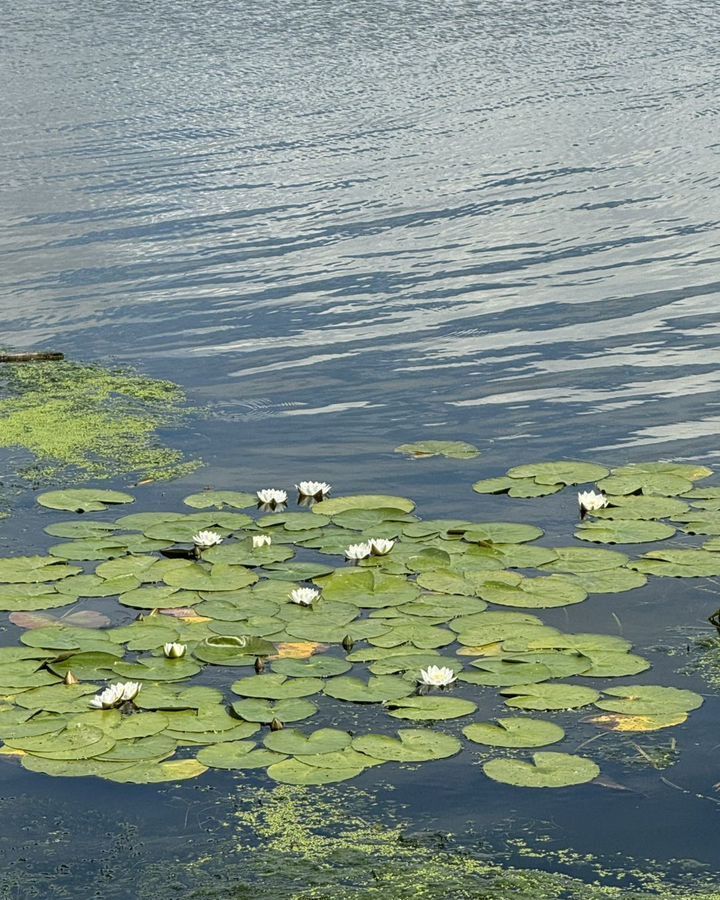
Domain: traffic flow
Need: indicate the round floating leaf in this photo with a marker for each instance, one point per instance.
(623, 531)
(157, 668)
(514, 732)
(319, 667)
(159, 598)
(76, 741)
(547, 770)
(689, 471)
(525, 488)
(679, 563)
(34, 569)
(532, 593)
(425, 637)
(615, 665)
(220, 500)
(430, 706)
(507, 672)
(83, 500)
(95, 586)
(296, 571)
(368, 519)
(264, 711)
(549, 696)
(140, 725)
(627, 723)
(367, 588)
(610, 581)
(362, 501)
(411, 745)
(579, 560)
(641, 507)
(100, 548)
(562, 472)
(242, 553)
(510, 556)
(291, 741)
(411, 661)
(339, 760)
(663, 485)
(502, 533)
(155, 773)
(231, 650)
(219, 578)
(377, 689)
(449, 449)
(155, 748)
(292, 771)
(272, 686)
(72, 768)
(86, 666)
(81, 529)
(60, 698)
(649, 700)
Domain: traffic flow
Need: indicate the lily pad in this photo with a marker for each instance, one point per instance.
(547, 770)
(277, 687)
(430, 706)
(221, 500)
(83, 499)
(449, 449)
(624, 531)
(292, 742)
(514, 732)
(562, 472)
(644, 700)
(292, 771)
(411, 745)
(549, 696)
(263, 711)
(376, 690)
(362, 501)
(502, 533)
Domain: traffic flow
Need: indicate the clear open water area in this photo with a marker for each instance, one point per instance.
(344, 226)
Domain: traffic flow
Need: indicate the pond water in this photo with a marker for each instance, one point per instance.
(341, 227)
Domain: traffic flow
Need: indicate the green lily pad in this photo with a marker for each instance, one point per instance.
(99, 548)
(502, 533)
(647, 700)
(678, 563)
(425, 637)
(292, 771)
(81, 529)
(83, 499)
(315, 667)
(156, 773)
(646, 483)
(95, 586)
(296, 571)
(411, 745)
(362, 501)
(641, 507)
(157, 668)
(292, 742)
(514, 732)
(34, 569)
(367, 588)
(561, 472)
(549, 696)
(263, 711)
(525, 488)
(449, 449)
(220, 500)
(219, 578)
(547, 770)
(610, 581)
(579, 560)
(511, 589)
(376, 690)
(430, 706)
(623, 531)
(271, 686)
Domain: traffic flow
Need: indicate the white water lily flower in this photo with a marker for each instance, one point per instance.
(437, 676)
(380, 546)
(204, 540)
(304, 596)
(116, 694)
(271, 497)
(589, 501)
(358, 551)
(174, 651)
(315, 489)
(261, 540)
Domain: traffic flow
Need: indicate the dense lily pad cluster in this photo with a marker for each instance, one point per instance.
(450, 595)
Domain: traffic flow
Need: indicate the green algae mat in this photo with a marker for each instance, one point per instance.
(248, 626)
(85, 421)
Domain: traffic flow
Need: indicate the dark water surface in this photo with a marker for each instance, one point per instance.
(348, 225)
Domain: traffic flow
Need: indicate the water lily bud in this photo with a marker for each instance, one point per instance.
(259, 665)
(173, 650)
(276, 725)
(71, 679)
(347, 643)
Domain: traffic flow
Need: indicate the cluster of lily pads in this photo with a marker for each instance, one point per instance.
(240, 626)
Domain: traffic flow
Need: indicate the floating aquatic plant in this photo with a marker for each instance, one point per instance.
(429, 602)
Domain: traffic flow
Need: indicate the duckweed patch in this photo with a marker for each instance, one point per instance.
(86, 421)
